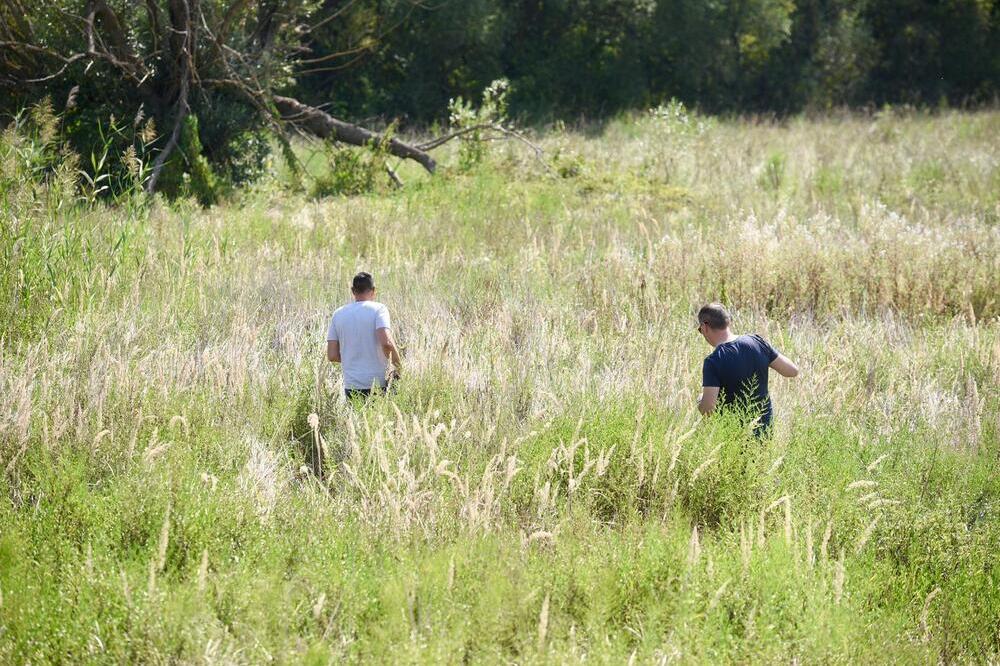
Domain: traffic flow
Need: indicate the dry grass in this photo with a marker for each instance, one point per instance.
(166, 412)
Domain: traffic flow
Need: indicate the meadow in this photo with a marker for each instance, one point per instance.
(183, 483)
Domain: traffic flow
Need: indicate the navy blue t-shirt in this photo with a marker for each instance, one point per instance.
(739, 368)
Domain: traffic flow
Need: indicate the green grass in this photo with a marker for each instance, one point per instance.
(541, 488)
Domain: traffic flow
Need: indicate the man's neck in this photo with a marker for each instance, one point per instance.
(364, 297)
(719, 337)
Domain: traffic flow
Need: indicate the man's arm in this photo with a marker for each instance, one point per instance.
(784, 367)
(709, 396)
(388, 343)
(333, 351)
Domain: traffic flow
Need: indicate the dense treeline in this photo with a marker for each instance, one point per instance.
(572, 58)
(188, 96)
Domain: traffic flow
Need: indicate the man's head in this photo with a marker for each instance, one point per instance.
(363, 286)
(713, 322)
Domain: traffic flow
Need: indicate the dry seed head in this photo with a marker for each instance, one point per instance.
(865, 536)
(862, 484)
(875, 463)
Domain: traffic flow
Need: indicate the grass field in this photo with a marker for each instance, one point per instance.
(541, 488)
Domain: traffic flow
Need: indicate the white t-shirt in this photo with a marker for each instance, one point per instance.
(361, 355)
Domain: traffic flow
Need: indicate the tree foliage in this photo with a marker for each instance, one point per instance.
(567, 59)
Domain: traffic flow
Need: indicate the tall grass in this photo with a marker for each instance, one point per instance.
(183, 482)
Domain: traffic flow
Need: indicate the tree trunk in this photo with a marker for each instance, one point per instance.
(322, 124)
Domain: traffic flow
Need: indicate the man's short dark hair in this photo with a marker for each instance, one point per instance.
(715, 315)
(362, 283)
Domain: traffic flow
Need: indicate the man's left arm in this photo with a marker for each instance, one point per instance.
(709, 396)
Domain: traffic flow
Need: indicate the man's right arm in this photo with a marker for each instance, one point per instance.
(333, 351)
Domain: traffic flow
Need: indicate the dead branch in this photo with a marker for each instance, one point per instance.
(494, 127)
(321, 124)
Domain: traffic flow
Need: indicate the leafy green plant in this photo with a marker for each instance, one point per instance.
(475, 122)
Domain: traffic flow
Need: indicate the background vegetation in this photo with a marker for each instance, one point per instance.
(216, 69)
(594, 58)
(182, 483)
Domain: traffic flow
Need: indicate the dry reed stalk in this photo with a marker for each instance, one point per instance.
(746, 546)
(543, 622)
(827, 533)
(810, 555)
(161, 551)
(925, 615)
(717, 597)
(151, 582)
(694, 547)
(676, 448)
(786, 503)
(126, 591)
(203, 570)
(451, 572)
(702, 467)
(317, 609)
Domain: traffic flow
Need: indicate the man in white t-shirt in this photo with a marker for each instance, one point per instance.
(360, 339)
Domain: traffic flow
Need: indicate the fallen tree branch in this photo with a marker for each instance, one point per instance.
(321, 124)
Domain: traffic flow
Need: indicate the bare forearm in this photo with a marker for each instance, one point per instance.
(393, 355)
(708, 400)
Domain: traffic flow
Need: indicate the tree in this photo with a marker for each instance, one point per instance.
(223, 63)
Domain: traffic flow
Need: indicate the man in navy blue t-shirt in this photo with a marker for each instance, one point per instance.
(735, 374)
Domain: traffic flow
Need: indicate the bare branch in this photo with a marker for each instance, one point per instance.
(494, 127)
(322, 124)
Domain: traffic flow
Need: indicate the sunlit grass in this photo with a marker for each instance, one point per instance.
(541, 488)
